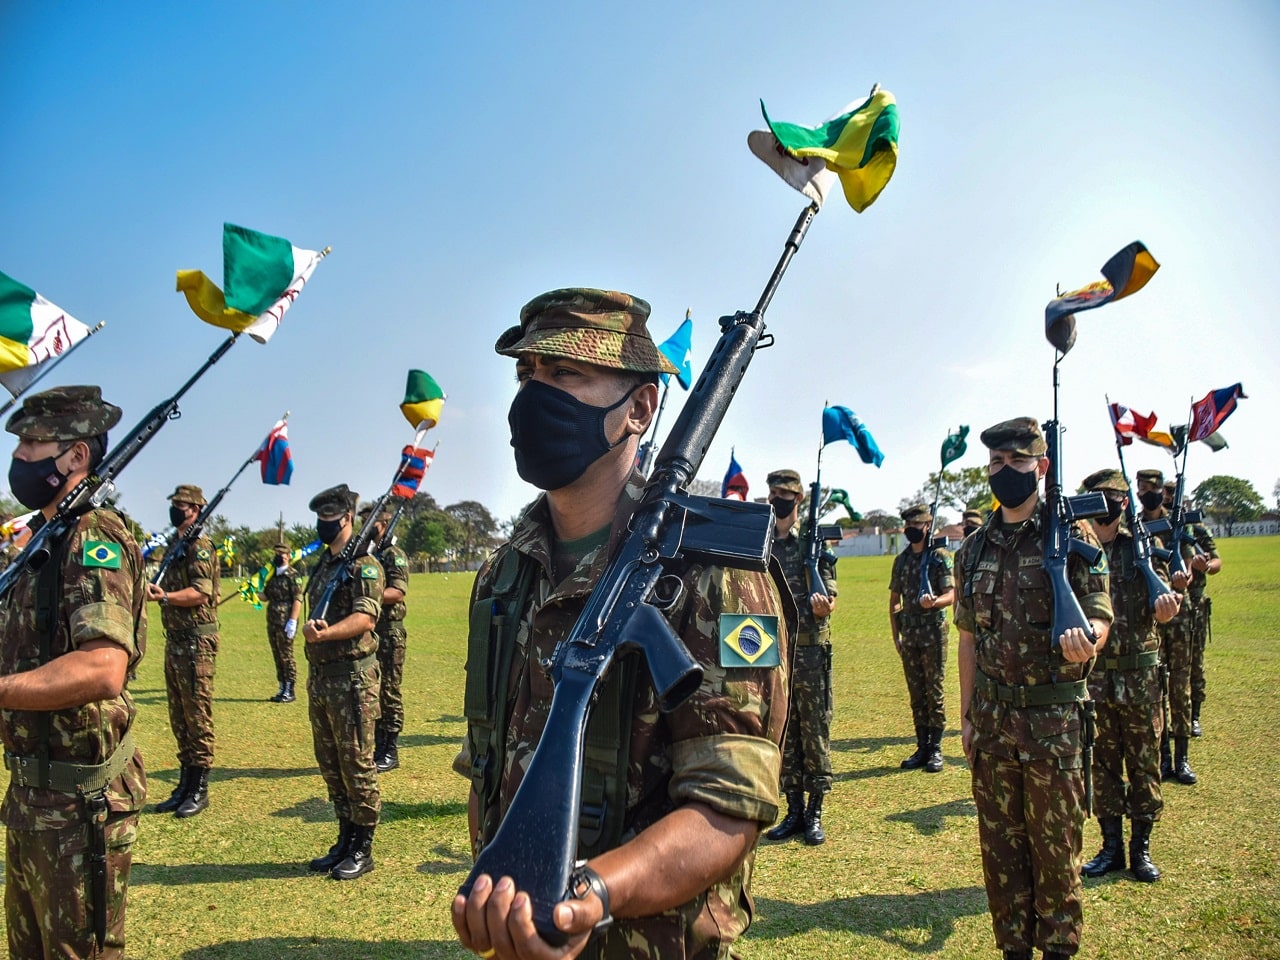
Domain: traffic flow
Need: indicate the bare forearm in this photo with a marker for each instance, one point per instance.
(967, 667)
(186, 597)
(95, 671)
(352, 625)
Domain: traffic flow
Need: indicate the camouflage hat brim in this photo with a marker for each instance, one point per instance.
(604, 348)
(188, 493)
(62, 414)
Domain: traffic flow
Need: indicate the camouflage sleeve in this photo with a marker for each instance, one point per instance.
(368, 583)
(1092, 585)
(896, 584)
(396, 570)
(964, 605)
(944, 579)
(827, 570)
(103, 583)
(202, 567)
(727, 736)
(1205, 541)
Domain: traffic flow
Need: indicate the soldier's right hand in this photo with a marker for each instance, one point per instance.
(966, 739)
(497, 921)
(312, 629)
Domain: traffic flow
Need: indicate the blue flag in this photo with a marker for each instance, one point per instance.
(678, 348)
(841, 423)
(735, 481)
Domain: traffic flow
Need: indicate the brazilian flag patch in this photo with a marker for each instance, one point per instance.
(101, 553)
(202, 554)
(400, 562)
(1101, 565)
(369, 572)
(748, 640)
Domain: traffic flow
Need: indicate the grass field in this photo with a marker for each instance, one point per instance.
(899, 875)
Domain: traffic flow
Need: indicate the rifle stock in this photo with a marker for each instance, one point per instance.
(1143, 551)
(813, 542)
(930, 543)
(537, 842)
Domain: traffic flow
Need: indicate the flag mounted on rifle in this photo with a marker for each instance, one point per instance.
(954, 447)
(734, 486)
(32, 330)
(678, 348)
(275, 456)
(1130, 425)
(414, 463)
(841, 423)
(423, 400)
(1208, 414)
(1126, 273)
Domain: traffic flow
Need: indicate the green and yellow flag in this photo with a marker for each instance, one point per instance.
(423, 400)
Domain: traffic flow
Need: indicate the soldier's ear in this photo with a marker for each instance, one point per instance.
(79, 456)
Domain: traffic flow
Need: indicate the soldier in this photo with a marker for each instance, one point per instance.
(343, 684)
(972, 520)
(1125, 687)
(1023, 725)
(806, 755)
(1205, 562)
(66, 716)
(919, 628)
(1175, 644)
(391, 642)
(188, 599)
(701, 780)
(283, 592)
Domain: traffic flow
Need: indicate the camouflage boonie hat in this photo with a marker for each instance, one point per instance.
(383, 514)
(917, 514)
(1021, 435)
(787, 480)
(603, 327)
(1151, 475)
(974, 515)
(282, 546)
(64, 413)
(188, 493)
(1108, 478)
(334, 502)
(1171, 486)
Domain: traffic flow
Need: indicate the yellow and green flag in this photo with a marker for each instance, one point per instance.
(423, 400)
(32, 330)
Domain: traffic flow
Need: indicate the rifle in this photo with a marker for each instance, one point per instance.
(388, 535)
(93, 490)
(931, 543)
(1176, 526)
(1143, 549)
(816, 537)
(1059, 542)
(178, 550)
(537, 842)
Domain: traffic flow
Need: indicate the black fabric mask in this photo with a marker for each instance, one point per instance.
(556, 436)
(35, 483)
(914, 534)
(1152, 499)
(177, 515)
(328, 530)
(1114, 509)
(1013, 488)
(969, 529)
(783, 507)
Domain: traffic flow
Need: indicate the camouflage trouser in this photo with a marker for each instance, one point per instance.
(1199, 639)
(391, 646)
(46, 892)
(188, 678)
(1127, 736)
(344, 711)
(806, 755)
(1175, 654)
(1031, 824)
(924, 662)
(282, 653)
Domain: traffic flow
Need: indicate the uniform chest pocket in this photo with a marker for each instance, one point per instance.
(1037, 600)
(983, 597)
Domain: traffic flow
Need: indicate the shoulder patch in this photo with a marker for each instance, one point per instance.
(101, 553)
(368, 572)
(401, 562)
(748, 640)
(202, 554)
(1101, 565)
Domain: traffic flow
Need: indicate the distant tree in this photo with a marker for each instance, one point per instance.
(431, 536)
(478, 529)
(1275, 492)
(1228, 500)
(963, 489)
(880, 518)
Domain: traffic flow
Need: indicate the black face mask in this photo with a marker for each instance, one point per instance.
(1013, 488)
(37, 483)
(914, 534)
(783, 507)
(556, 436)
(969, 528)
(1114, 509)
(328, 530)
(177, 516)
(1152, 499)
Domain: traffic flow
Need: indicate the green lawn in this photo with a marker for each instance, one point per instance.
(899, 875)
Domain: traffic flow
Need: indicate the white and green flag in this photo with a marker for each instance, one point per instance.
(32, 330)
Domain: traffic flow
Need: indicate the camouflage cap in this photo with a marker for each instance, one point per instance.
(1171, 486)
(919, 513)
(787, 480)
(974, 515)
(282, 546)
(64, 413)
(334, 502)
(1108, 478)
(1021, 435)
(1151, 475)
(603, 327)
(188, 493)
(383, 514)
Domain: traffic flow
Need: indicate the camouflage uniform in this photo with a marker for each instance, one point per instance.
(392, 639)
(923, 634)
(1028, 778)
(720, 748)
(48, 909)
(806, 757)
(1175, 650)
(1200, 617)
(281, 592)
(191, 648)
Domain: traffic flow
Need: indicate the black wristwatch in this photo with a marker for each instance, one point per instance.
(584, 881)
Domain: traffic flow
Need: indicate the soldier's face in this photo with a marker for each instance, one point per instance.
(1020, 462)
(32, 451)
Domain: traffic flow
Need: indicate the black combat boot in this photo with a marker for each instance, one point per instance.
(1196, 729)
(359, 859)
(916, 760)
(933, 750)
(338, 852)
(1056, 955)
(197, 797)
(1166, 758)
(180, 791)
(813, 834)
(1140, 853)
(1182, 771)
(278, 696)
(286, 693)
(387, 755)
(793, 822)
(1111, 857)
(1015, 954)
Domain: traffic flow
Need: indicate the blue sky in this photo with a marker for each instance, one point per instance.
(460, 160)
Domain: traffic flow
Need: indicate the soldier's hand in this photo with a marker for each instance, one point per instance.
(897, 644)
(290, 628)
(821, 604)
(497, 921)
(966, 739)
(1180, 580)
(312, 629)
(927, 601)
(1200, 562)
(154, 592)
(1077, 646)
(1167, 607)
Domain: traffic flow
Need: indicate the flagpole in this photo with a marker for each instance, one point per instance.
(48, 367)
